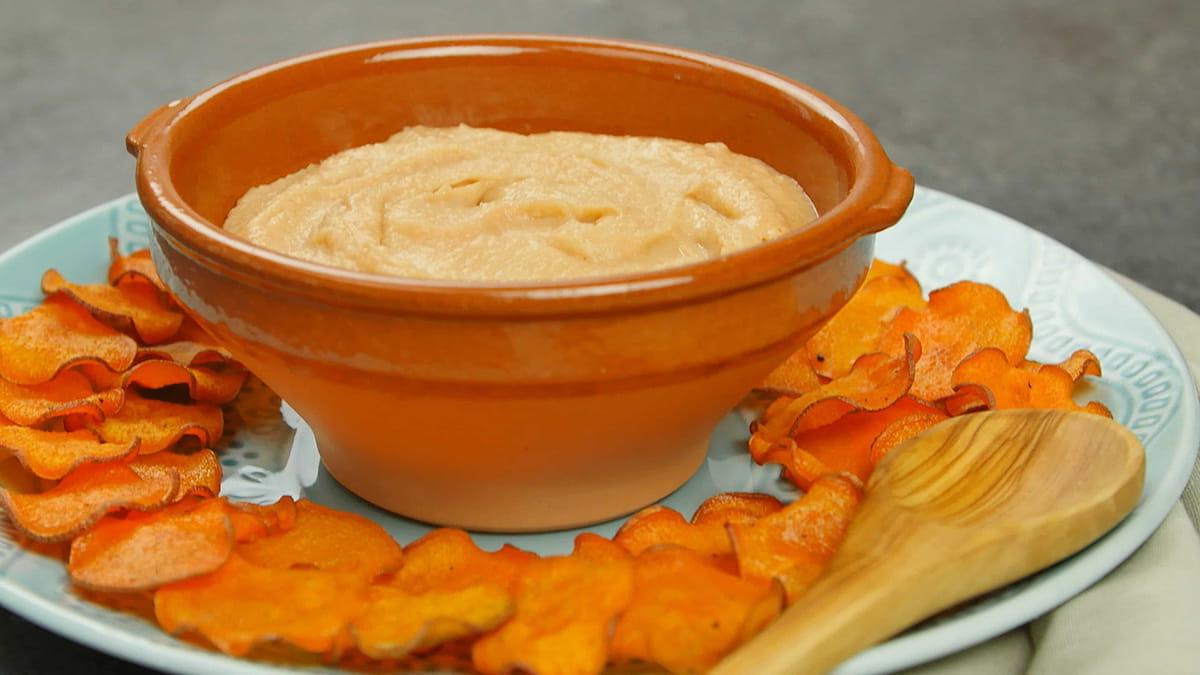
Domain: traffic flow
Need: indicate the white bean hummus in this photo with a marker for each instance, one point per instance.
(475, 204)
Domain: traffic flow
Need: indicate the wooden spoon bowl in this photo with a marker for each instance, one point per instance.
(970, 505)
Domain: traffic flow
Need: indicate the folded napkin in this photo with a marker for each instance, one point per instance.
(1142, 617)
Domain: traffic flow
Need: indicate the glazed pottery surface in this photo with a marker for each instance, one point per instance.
(522, 406)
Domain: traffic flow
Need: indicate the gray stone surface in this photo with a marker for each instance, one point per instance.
(1076, 118)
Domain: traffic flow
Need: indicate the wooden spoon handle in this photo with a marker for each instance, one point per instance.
(833, 621)
(967, 507)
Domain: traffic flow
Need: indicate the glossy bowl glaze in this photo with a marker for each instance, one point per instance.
(522, 406)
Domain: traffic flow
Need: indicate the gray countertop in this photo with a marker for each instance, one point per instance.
(1079, 119)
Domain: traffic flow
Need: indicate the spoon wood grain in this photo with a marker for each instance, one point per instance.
(970, 505)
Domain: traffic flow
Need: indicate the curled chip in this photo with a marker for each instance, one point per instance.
(199, 472)
(735, 507)
(844, 445)
(129, 307)
(135, 267)
(447, 590)
(447, 558)
(190, 346)
(658, 525)
(69, 393)
(204, 384)
(875, 382)
(242, 605)
(857, 328)
(565, 609)
(143, 551)
(705, 534)
(161, 424)
(397, 622)
(37, 345)
(1081, 362)
(83, 497)
(794, 545)
(54, 454)
(960, 320)
(328, 540)
(687, 614)
(793, 377)
(252, 521)
(901, 430)
(988, 379)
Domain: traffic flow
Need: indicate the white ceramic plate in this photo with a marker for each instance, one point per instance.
(269, 452)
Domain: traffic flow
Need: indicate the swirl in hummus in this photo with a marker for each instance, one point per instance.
(479, 204)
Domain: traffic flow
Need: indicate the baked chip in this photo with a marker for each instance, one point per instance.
(327, 540)
(133, 308)
(686, 614)
(566, 606)
(159, 424)
(959, 320)
(242, 605)
(794, 545)
(143, 551)
(199, 472)
(84, 496)
(38, 345)
(69, 393)
(54, 454)
(858, 327)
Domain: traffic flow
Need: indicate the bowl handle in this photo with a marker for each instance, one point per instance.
(136, 137)
(891, 204)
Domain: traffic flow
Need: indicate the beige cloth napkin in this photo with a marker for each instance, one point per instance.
(1141, 618)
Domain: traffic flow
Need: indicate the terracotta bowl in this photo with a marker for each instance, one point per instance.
(525, 406)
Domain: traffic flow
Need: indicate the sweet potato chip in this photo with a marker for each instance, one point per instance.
(960, 320)
(254, 521)
(565, 609)
(875, 382)
(397, 622)
(844, 445)
(199, 472)
(658, 525)
(706, 533)
(447, 590)
(190, 346)
(127, 308)
(160, 424)
(989, 378)
(687, 614)
(858, 327)
(793, 377)
(136, 267)
(83, 497)
(735, 507)
(447, 559)
(37, 345)
(204, 384)
(146, 550)
(794, 545)
(54, 454)
(1081, 362)
(69, 393)
(883, 268)
(242, 605)
(901, 430)
(328, 540)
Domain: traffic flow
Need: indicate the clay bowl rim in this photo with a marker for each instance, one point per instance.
(878, 196)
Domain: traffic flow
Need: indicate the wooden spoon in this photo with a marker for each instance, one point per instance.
(968, 506)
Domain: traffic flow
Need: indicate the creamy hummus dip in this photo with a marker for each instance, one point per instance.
(487, 205)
